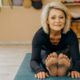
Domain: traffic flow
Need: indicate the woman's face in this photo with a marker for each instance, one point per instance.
(56, 19)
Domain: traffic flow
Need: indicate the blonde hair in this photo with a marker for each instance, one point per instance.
(45, 12)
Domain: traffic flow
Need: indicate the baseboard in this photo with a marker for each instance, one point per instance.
(16, 43)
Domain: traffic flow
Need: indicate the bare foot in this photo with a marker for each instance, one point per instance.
(53, 70)
(63, 64)
(51, 59)
(64, 60)
(51, 64)
(62, 70)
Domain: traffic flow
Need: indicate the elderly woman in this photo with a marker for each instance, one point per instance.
(55, 50)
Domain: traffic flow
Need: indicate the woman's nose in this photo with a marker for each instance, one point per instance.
(57, 20)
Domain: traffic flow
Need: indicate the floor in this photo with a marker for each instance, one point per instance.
(10, 60)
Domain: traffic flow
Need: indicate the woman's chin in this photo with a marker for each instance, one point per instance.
(57, 28)
(56, 44)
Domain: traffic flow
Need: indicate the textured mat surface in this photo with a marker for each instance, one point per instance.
(25, 73)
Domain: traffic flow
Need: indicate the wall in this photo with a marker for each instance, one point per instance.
(19, 24)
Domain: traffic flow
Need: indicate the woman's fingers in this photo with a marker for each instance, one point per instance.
(41, 75)
(75, 74)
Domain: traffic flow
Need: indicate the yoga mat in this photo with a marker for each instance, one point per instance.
(25, 73)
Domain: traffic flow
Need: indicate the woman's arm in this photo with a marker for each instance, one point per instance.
(74, 51)
(36, 60)
(36, 52)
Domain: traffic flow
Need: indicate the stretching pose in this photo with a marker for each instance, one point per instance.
(55, 49)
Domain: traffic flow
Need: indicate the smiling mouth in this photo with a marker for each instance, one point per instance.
(57, 25)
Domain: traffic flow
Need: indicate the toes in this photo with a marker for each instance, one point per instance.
(51, 61)
(54, 54)
(60, 56)
(64, 61)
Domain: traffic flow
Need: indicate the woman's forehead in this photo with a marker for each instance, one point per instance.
(56, 12)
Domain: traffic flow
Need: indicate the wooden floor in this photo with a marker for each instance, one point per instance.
(10, 60)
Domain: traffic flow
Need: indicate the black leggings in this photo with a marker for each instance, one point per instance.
(43, 58)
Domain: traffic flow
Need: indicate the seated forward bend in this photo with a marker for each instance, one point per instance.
(55, 46)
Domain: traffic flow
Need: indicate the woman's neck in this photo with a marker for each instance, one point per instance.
(55, 32)
(55, 37)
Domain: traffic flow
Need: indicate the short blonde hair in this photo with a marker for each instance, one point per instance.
(45, 13)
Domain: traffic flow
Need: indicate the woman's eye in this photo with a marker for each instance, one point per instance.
(53, 17)
(61, 17)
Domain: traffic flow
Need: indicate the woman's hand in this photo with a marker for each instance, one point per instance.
(41, 75)
(75, 74)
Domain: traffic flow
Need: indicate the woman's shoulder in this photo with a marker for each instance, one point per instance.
(70, 36)
(40, 35)
(40, 32)
(71, 33)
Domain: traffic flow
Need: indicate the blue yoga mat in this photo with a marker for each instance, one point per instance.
(25, 73)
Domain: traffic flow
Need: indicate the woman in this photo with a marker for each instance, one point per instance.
(55, 45)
